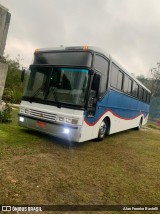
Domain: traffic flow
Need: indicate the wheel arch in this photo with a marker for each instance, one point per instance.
(108, 122)
(141, 120)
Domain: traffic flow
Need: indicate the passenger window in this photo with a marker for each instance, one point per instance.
(129, 86)
(126, 82)
(145, 96)
(101, 64)
(140, 93)
(114, 76)
(135, 89)
(148, 97)
(120, 80)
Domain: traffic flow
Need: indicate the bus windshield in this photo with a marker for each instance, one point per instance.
(60, 85)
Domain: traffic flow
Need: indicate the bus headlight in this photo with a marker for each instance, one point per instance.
(24, 110)
(21, 119)
(73, 121)
(66, 131)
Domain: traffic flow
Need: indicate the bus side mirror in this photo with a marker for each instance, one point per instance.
(95, 83)
(22, 74)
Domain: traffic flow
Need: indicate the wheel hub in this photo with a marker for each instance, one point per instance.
(102, 129)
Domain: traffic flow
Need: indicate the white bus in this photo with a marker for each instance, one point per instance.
(81, 93)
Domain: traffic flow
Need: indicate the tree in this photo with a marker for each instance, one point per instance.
(155, 79)
(153, 82)
(13, 87)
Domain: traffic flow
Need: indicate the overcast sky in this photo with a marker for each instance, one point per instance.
(129, 30)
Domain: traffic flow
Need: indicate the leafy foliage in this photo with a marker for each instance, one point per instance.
(14, 87)
(153, 83)
(155, 108)
(5, 114)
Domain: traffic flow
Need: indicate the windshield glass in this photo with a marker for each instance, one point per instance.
(61, 85)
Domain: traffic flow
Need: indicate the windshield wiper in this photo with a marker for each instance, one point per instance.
(53, 90)
(36, 93)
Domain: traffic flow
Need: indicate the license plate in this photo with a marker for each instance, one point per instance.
(41, 124)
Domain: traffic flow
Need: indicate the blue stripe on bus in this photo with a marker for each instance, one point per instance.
(121, 106)
(75, 70)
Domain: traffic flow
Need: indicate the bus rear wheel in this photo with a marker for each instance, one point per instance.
(102, 130)
(140, 124)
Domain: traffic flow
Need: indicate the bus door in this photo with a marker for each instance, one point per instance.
(93, 96)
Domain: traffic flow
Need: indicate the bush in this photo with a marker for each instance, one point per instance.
(5, 114)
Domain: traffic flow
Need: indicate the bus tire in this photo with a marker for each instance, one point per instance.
(103, 129)
(140, 124)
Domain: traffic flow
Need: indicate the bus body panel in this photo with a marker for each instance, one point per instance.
(117, 124)
(123, 111)
(52, 129)
(36, 114)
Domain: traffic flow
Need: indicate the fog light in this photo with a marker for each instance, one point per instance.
(61, 118)
(68, 120)
(21, 119)
(66, 131)
(22, 110)
(26, 111)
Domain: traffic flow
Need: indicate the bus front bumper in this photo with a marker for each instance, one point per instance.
(64, 131)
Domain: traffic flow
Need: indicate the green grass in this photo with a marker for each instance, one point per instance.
(153, 126)
(39, 169)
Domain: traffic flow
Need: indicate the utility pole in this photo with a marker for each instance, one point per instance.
(5, 17)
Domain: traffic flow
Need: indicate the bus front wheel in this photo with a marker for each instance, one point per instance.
(102, 130)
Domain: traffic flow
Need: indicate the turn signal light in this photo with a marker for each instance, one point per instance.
(36, 50)
(85, 47)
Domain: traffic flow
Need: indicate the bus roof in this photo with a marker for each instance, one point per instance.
(92, 49)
